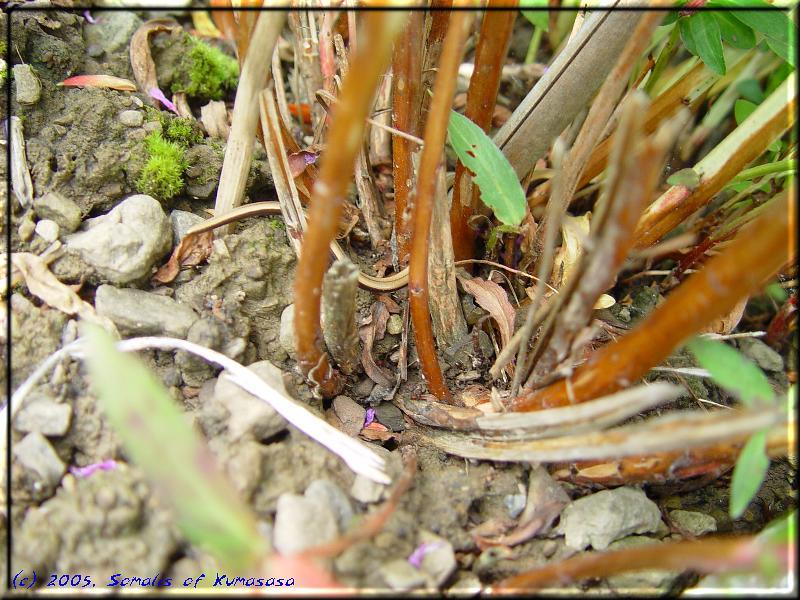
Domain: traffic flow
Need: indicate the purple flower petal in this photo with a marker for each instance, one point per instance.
(106, 465)
(369, 417)
(89, 18)
(159, 95)
(415, 558)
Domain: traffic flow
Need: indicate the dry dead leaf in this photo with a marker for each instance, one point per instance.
(574, 232)
(44, 285)
(492, 298)
(144, 69)
(192, 250)
(726, 324)
(474, 394)
(100, 81)
(298, 161)
(214, 117)
(373, 329)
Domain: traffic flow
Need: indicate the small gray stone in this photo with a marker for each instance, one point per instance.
(136, 312)
(364, 387)
(323, 491)
(35, 453)
(694, 523)
(394, 325)
(764, 356)
(439, 561)
(47, 230)
(28, 86)
(56, 207)
(131, 118)
(301, 523)
(515, 503)
(466, 585)
(202, 174)
(249, 415)
(182, 221)
(45, 416)
(543, 490)
(599, 519)
(401, 576)
(286, 335)
(365, 490)
(350, 413)
(113, 31)
(391, 416)
(124, 244)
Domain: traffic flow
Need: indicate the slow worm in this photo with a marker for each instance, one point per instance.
(258, 209)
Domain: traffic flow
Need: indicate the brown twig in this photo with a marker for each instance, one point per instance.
(757, 253)
(407, 68)
(345, 136)
(490, 52)
(435, 131)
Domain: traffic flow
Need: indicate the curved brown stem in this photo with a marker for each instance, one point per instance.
(435, 131)
(493, 42)
(344, 139)
(756, 254)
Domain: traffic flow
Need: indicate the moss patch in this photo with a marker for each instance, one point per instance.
(162, 176)
(207, 72)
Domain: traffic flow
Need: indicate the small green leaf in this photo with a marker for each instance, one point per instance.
(776, 25)
(731, 370)
(701, 35)
(751, 90)
(686, 177)
(539, 18)
(494, 176)
(734, 32)
(158, 438)
(748, 474)
(742, 109)
(776, 292)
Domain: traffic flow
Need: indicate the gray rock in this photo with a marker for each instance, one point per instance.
(302, 522)
(47, 230)
(57, 208)
(250, 416)
(44, 416)
(514, 503)
(202, 174)
(350, 413)
(694, 523)
(364, 387)
(599, 519)
(131, 118)
(543, 491)
(394, 325)
(324, 491)
(439, 561)
(401, 576)
(182, 221)
(365, 490)
(286, 335)
(113, 31)
(643, 581)
(466, 585)
(27, 85)
(764, 356)
(136, 312)
(124, 244)
(391, 416)
(34, 453)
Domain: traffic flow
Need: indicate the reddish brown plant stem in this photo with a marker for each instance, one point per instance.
(435, 131)
(756, 254)
(406, 99)
(437, 21)
(490, 52)
(707, 555)
(344, 141)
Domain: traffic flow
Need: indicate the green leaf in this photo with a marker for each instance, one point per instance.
(686, 177)
(732, 370)
(158, 438)
(742, 109)
(539, 18)
(748, 474)
(777, 77)
(776, 25)
(494, 176)
(734, 32)
(701, 35)
(776, 292)
(750, 90)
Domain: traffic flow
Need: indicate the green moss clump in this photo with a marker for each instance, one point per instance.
(162, 176)
(210, 72)
(183, 132)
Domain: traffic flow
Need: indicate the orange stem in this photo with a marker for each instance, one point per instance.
(435, 131)
(344, 142)
(756, 254)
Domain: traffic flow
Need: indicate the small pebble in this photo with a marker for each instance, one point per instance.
(350, 413)
(27, 85)
(131, 118)
(401, 576)
(47, 230)
(391, 416)
(365, 490)
(395, 325)
(694, 523)
(286, 335)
